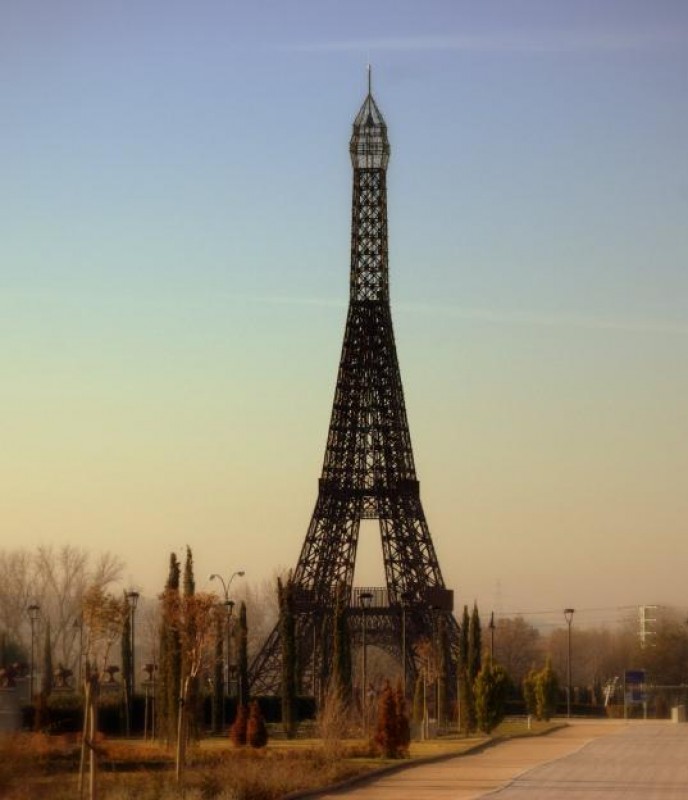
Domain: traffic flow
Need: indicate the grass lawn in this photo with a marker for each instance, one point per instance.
(40, 767)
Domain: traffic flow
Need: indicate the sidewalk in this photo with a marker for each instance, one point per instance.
(472, 775)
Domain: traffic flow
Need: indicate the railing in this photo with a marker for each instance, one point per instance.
(379, 596)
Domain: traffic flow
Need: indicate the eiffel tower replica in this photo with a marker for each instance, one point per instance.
(368, 471)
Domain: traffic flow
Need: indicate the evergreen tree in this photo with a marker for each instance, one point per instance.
(443, 660)
(417, 710)
(47, 678)
(546, 691)
(475, 645)
(403, 727)
(491, 688)
(528, 690)
(474, 660)
(465, 682)
(256, 730)
(193, 698)
(392, 734)
(342, 648)
(287, 636)
(218, 670)
(239, 728)
(242, 657)
(169, 669)
(127, 676)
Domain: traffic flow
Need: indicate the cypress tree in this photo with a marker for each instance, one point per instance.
(443, 658)
(242, 657)
(475, 647)
(466, 693)
(342, 648)
(287, 637)
(473, 665)
(169, 669)
(47, 678)
(192, 700)
(218, 670)
(127, 676)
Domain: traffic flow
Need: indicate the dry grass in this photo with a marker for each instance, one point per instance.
(40, 767)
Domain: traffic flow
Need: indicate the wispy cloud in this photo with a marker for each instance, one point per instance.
(541, 42)
(501, 316)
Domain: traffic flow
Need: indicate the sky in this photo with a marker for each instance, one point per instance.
(174, 255)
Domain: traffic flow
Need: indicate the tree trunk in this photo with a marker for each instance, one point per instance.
(181, 731)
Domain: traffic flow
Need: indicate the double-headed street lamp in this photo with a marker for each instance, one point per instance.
(229, 606)
(568, 616)
(33, 611)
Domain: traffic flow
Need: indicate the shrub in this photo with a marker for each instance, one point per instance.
(239, 728)
(256, 731)
(392, 735)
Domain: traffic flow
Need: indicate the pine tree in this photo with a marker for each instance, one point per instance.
(287, 632)
(242, 657)
(256, 730)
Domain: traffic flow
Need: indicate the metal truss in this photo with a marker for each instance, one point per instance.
(368, 470)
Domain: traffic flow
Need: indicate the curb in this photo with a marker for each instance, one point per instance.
(389, 769)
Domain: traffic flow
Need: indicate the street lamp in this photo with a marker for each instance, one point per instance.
(366, 599)
(229, 605)
(33, 611)
(568, 616)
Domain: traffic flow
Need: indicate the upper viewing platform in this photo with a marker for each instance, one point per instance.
(369, 146)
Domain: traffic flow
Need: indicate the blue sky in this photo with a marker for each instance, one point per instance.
(174, 223)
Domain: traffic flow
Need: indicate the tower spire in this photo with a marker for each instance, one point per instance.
(370, 79)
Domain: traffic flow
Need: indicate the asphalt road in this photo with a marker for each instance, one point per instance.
(586, 761)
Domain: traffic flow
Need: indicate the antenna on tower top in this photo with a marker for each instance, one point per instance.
(370, 79)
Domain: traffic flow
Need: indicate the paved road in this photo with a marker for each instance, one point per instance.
(586, 761)
(647, 761)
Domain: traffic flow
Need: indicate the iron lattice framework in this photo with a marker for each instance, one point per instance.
(368, 471)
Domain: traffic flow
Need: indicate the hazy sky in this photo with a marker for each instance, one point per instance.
(175, 194)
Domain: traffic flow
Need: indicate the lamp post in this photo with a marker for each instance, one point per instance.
(229, 606)
(33, 611)
(406, 598)
(366, 599)
(568, 616)
(492, 630)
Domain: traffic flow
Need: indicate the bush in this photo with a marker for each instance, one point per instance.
(239, 729)
(256, 732)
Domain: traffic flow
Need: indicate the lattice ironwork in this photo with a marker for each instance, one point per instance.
(368, 470)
